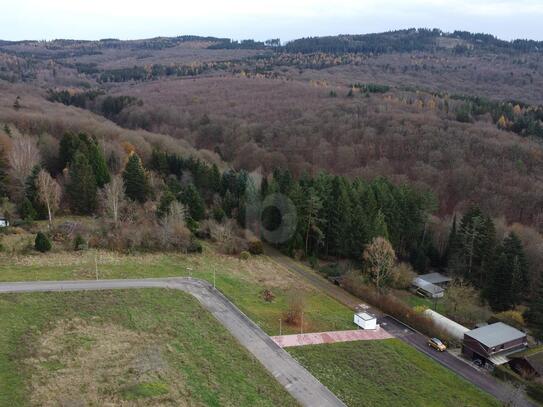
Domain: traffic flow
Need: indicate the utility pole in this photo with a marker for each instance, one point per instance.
(96, 265)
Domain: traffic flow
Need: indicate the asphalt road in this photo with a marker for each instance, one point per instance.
(303, 386)
(497, 388)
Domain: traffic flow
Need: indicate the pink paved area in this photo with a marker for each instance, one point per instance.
(317, 338)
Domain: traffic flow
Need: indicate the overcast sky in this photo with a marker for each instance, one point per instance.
(240, 19)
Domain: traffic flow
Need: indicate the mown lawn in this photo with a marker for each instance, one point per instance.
(152, 345)
(241, 281)
(387, 373)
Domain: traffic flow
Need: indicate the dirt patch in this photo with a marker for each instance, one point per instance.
(82, 363)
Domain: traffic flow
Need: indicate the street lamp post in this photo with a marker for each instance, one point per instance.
(189, 269)
(280, 330)
(302, 324)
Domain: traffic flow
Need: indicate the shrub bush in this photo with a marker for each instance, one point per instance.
(80, 243)
(256, 247)
(42, 243)
(313, 262)
(403, 276)
(331, 270)
(194, 247)
(244, 255)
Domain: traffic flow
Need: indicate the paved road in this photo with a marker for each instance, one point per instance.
(499, 389)
(303, 386)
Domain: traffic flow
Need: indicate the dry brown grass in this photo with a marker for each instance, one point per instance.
(89, 363)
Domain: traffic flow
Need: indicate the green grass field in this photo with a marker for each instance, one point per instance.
(241, 281)
(387, 373)
(148, 346)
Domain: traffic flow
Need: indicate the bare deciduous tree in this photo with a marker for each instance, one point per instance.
(23, 156)
(49, 192)
(379, 258)
(113, 198)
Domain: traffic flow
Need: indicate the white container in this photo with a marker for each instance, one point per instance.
(365, 320)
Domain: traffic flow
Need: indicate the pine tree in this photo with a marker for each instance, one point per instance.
(380, 228)
(3, 173)
(165, 201)
(27, 211)
(498, 292)
(518, 266)
(338, 218)
(31, 193)
(98, 163)
(42, 243)
(192, 199)
(311, 220)
(69, 144)
(534, 315)
(135, 180)
(81, 188)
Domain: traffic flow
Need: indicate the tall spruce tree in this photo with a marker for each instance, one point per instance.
(3, 173)
(135, 180)
(478, 237)
(498, 291)
(192, 199)
(31, 193)
(81, 188)
(534, 315)
(98, 163)
(518, 266)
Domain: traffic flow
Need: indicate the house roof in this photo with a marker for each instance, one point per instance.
(495, 334)
(426, 286)
(435, 278)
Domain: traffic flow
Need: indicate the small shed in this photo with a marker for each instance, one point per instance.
(365, 320)
(4, 223)
(493, 343)
(427, 289)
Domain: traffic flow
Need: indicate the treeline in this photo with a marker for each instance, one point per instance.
(407, 41)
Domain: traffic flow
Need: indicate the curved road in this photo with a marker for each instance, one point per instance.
(303, 386)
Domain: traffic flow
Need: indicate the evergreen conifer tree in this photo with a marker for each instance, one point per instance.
(535, 314)
(135, 180)
(81, 187)
(3, 173)
(192, 199)
(98, 163)
(42, 243)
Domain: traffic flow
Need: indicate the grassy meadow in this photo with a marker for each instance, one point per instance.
(124, 348)
(387, 373)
